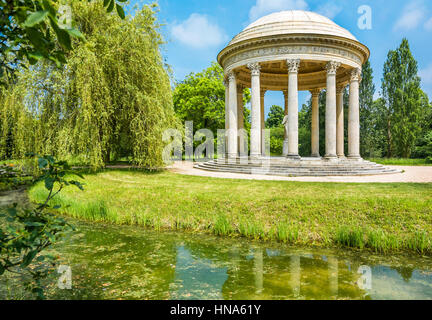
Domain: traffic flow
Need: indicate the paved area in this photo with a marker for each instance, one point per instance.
(410, 174)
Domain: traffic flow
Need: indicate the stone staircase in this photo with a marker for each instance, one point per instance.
(306, 167)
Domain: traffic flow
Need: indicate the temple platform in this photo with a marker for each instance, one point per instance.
(304, 167)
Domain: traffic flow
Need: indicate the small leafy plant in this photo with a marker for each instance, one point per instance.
(28, 232)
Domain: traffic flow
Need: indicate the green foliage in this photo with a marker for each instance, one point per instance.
(31, 30)
(222, 226)
(27, 233)
(350, 237)
(401, 161)
(112, 99)
(404, 102)
(200, 98)
(370, 134)
(424, 148)
(275, 117)
(277, 136)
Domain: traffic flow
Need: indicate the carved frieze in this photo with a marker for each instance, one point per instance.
(292, 49)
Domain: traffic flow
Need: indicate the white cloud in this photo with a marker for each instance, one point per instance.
(264, 7)
(412, 16)
(330, 10)
(426, 74)
(428, 25)
(198, 32)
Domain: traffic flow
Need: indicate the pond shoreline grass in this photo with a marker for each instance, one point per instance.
(384, 218)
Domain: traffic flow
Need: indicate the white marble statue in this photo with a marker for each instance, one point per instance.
(285, 145)
(285, 122)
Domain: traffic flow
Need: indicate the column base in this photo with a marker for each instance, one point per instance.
(255, 156)
(293, 157)
(285, 148)
(341, 157)
(315, 155)
(331, 157)
(355, 158)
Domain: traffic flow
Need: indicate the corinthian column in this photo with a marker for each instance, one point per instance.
(240, 119)
(263, 91)
(233, 130)
(285, 145)
(255, 135)
(315, 124)
(226, 114)
(340, 141)
(293, 67)
(330, 122)
(354, 116)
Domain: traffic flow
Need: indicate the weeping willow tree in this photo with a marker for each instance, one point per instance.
(113, 99)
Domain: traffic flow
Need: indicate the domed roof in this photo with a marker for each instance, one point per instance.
(292, 22)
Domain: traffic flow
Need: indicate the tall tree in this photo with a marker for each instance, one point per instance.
(275, 117)
(112, 99)
(404, 101)
(368, 119)
(200, 98)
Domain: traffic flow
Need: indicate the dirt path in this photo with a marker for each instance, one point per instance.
(412, 174)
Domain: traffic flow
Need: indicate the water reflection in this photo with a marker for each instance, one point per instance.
(111, 262)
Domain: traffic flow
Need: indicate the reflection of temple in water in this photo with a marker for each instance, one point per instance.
(269, 274)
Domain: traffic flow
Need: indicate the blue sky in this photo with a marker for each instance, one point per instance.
(196, 30)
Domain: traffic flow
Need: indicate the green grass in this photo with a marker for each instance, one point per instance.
(380, 217)
(401, 162)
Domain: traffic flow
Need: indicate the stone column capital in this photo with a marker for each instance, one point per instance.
(315, 92)
(340, 89)
(293, 65)
(332, 67)
(231, 76)
(255, 68)
(356, 75)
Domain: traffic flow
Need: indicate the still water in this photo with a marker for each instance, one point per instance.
(112, 262)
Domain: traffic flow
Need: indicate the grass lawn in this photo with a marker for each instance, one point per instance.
(383, 217)
(401, 162)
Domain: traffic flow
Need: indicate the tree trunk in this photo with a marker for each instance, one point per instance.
(107, 157)
(389, 140)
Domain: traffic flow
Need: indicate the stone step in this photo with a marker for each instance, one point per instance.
(294, 168)
(280, 167)
(296, 164)
(304, 174)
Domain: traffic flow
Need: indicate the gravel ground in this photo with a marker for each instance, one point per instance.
(411, 174)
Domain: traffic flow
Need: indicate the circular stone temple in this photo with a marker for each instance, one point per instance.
(293, 51)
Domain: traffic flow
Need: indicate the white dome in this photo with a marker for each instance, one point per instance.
(292, 22)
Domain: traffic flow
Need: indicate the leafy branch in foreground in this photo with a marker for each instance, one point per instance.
(34, 29)
(28, 232)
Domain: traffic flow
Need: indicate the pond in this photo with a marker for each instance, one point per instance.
(125, 262)
(121, 262)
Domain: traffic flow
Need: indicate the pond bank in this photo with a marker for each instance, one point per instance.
(380, 217)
